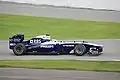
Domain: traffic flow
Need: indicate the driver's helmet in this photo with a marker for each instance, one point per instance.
(47, 35)
(44, 37)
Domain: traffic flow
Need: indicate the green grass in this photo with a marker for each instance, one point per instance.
(63, 65)
(58, 28)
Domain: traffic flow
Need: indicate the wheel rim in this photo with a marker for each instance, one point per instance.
(19, 50)
(80, 50)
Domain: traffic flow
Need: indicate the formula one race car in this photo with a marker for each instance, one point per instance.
(44, 44)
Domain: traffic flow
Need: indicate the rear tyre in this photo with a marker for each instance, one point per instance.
(80, 50)
(19, 49)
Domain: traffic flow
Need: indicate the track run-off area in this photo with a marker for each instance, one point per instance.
(59, 12)
(35, 74)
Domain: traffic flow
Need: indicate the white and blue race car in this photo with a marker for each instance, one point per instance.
(44, 44)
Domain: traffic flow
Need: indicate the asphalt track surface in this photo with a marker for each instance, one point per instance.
(59, 12)
(34, 74)
(111, 53)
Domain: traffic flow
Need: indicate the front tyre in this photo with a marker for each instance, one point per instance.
(80, 50)
(19, 49)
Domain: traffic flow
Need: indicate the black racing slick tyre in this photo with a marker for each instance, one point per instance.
(19, 49)
(80, 50)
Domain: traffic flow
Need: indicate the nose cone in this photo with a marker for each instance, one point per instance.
(94, 44)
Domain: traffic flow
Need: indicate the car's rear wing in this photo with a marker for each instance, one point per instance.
(16, 38)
